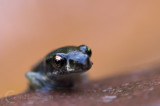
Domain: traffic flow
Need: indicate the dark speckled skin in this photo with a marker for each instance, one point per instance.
(46, 75)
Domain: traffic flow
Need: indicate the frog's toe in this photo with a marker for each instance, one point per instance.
(34, 80)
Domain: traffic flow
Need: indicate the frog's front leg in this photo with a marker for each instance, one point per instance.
(36, 81)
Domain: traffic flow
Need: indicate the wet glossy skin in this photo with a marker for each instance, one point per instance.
(61, 68)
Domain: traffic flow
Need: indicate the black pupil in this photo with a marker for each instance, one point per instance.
(57, 61)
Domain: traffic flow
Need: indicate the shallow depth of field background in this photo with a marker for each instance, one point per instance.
(123, 35)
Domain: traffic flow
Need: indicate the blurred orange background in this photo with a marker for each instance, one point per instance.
(123, 35)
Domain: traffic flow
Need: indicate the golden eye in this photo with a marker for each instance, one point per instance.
(58, 61)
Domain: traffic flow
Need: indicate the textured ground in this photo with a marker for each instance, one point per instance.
(127, 90)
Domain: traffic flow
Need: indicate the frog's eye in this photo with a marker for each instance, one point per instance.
(86, 49)
(58, 61)
(89, 52)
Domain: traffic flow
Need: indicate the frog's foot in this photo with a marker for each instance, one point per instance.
(36, 81)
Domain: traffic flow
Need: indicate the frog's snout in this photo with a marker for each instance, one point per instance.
(82, 63)
(87, 64)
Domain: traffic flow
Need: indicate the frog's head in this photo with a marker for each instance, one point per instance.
(68, 60)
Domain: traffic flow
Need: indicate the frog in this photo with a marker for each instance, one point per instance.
(62, 68)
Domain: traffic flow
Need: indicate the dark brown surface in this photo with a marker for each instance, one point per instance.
(127, 90)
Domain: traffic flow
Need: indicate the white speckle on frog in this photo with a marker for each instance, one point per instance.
(108, 98)
(68, 67)
(55, 73)
(44, 78)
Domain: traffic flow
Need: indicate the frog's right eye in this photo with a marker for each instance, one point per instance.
(58, 61)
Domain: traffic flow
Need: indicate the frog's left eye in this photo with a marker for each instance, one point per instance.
(58, 61)
(89, 52)
(86, 49)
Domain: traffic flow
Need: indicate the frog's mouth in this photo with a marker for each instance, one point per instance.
(77, 68)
